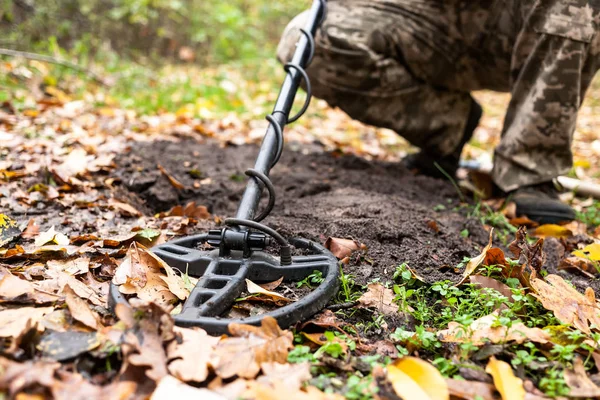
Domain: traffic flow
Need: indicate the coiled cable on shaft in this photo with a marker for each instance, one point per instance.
(285, 249)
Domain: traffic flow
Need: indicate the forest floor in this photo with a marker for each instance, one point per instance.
(443, 295)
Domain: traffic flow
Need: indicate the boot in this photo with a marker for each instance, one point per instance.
(540, 203)
(423, 162)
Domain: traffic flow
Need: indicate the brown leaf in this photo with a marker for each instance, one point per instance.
(124, 209)
(470, 390)
(190, 353)
(80, 310)
(12, 287)
(482, 331)
(16, 377)
(475, 262)
(15, 321)
(578, 381)
(569, 306)
(143, 341)
(243, 354)
(491, 283)
(141, 273)
(174, 182)
(579, 265)
(32, 230)
(341, 248)
(253, 288)
(324, 320)
(380, 298)
(271, 285)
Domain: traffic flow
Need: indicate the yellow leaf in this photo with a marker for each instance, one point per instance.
(552, 230)
(509, 386)
(51, 237)
(415, 379)
(476, 261)
(591, 252)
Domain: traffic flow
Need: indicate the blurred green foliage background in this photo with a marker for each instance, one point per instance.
(207, 58)
(156, 30)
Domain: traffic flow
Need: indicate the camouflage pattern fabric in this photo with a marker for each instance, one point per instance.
(410, 65)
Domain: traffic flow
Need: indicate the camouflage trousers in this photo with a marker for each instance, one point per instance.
(410, 65)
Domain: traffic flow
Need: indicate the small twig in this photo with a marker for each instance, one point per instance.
(52, 60)
(342, 306)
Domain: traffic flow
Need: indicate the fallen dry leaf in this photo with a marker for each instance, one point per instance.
(124, 209)
(174, 182)
(416, 379)
(253, 288)
(51, 237)
(189, 354)
(482, 331)
(169, 388)
(475, 262)
(13, 322)
(578, 381)
(569, 306)
(249, 347)
(141, 273)
(80, 310)
(470, 390)
(551, 230)
(509, 386)
(591, 252)
(342, 248)
(379, 297)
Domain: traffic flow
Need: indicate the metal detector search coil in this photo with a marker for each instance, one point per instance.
(237, 252)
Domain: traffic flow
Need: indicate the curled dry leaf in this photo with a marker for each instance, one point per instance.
(580, 265)
(379, 297)
(253, 288)
(249, 347)
(579, 383)
(51, 237)
(189, 354)
(475, 262)
(569, 306)
(141, 273)
(416, 379)
(342, 248)
(482, 331)
(509, 386)
(174, 182)
(126, 210)
(80, 310)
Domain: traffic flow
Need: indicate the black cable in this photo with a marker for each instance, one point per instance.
(285, 250)
(311, 44)
(279, 134)
(270, 188)
(308, 90)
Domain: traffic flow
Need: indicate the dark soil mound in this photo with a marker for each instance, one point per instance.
(379, 204)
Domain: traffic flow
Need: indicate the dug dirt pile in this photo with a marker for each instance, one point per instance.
(400, 217)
